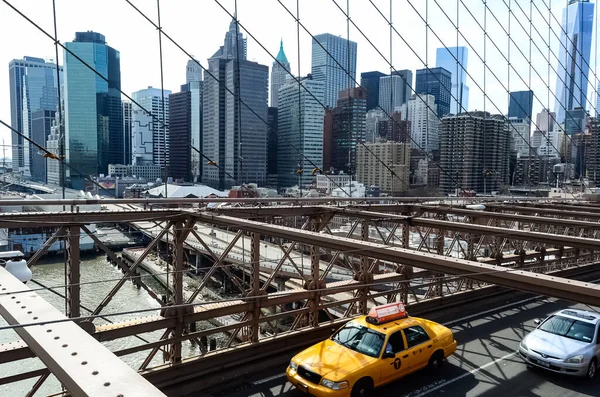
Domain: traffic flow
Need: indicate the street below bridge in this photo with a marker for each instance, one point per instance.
(486, 363)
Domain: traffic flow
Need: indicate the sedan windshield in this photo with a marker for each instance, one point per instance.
(360, 338)
(570, 328)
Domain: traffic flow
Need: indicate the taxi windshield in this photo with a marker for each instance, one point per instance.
(360, 338)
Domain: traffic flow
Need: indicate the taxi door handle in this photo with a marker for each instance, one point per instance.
(429, 347)
(405, 356)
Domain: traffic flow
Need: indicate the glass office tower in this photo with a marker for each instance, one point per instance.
(454, 60)
(521, 104)
(333, 63)
(33, 87)
(436, 82)
(93, 110)
(574, 57)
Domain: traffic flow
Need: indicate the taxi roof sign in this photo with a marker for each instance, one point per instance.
(386, 313)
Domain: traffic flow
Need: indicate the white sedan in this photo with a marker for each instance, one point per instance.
(566, 342)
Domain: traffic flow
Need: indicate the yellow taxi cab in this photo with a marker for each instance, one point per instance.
(370, 351)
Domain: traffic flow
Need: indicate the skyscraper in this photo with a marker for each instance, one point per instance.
(151, 99)
(33, 87)
(574, 57)
(424, 123)
(234, 137)
(235, 43)
(180, 137)
(93, 110)
(41, 124)
(521, 104)
(127, 123)
(272, 146)
(245, 127)
(193, 71)
(482, 142)
(454, 59)
(348, 128)
(279, 71)
(370, 82)
(300, 120)
(395, 90)
(196, 89)
(333, 63)
(436, 82)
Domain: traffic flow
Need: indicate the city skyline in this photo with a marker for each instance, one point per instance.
(367, 58)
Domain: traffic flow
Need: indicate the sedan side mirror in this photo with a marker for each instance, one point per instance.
(537, 321)
(388, 355)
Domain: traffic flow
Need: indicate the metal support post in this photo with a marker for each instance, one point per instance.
(177, 299)
(364, 275)
(255, 290)
(315, 283)
(73, 272)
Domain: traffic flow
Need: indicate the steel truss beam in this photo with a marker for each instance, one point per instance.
(518, 279)
(81, 364)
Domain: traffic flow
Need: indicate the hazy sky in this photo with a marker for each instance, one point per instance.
(199, 27)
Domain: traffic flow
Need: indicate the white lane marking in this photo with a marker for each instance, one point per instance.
(471, 372)
(270, 378)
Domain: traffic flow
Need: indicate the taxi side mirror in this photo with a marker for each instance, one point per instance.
(537, 321)
(388, 355)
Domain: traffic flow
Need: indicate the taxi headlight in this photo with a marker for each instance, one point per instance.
(578, 359)
(293, 365)
(334, 385)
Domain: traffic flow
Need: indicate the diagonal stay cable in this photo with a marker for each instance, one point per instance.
(379, 106)
(209, 73)
(487, 67)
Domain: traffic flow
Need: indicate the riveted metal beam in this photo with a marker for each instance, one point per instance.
(518, 279)
(83, 365)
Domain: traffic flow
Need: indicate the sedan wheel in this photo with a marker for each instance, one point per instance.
(591, 372)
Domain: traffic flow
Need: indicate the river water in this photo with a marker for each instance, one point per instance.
(50, 272)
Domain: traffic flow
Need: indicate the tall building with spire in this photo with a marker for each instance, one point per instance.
(235, 42)
(279, 71)
(574, 57)
(234, 113)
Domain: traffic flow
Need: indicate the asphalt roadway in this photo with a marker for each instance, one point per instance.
(485, 364)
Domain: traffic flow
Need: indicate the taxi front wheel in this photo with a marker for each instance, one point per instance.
(362, 388)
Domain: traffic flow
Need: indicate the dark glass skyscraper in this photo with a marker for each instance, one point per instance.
(454, 59)
(436, 82)
(370, 82)
(233, 135)
(93, 110)
(348, 129)
(574, 57)
(41, 123)
(521, 104)
(180, 134)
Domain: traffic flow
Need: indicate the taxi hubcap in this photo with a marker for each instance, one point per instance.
(592, 370)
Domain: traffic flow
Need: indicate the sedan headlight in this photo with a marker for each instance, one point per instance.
(578, 359)
(334, 385)
(293, 365)
(524, 344)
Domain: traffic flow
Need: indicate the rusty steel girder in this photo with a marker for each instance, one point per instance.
(511, 278)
